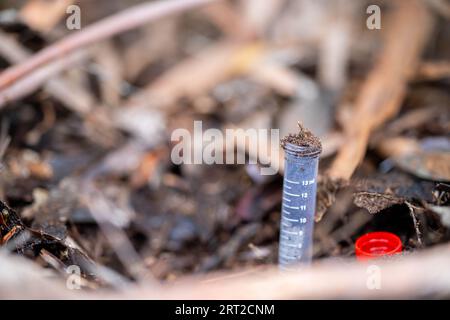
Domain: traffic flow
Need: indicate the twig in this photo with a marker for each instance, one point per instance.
(441, 7)
(102, 210)
(225, 16)
(120, 22)
(383, 92)
(69, 94)
(44, 15)
(415, 221)
(433, 70)
(212, 65)
(32, 82)
(420, 275)
(5, 140)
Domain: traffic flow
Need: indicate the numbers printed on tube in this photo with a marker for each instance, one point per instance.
(308, 182)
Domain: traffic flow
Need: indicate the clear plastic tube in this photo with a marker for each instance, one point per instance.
(298, 205)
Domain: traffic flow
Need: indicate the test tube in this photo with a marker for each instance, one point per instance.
(299, 199)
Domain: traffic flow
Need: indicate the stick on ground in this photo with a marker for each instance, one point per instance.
(120, 22)
(381, 95)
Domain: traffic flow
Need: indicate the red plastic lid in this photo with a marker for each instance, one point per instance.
(377, 244)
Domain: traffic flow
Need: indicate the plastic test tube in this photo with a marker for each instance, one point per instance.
(298, 204)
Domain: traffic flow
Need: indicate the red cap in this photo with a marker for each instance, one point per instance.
(377, 244)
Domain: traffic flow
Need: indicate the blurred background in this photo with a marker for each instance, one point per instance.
(85, 129)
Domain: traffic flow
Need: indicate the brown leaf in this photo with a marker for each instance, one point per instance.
(375, 202)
